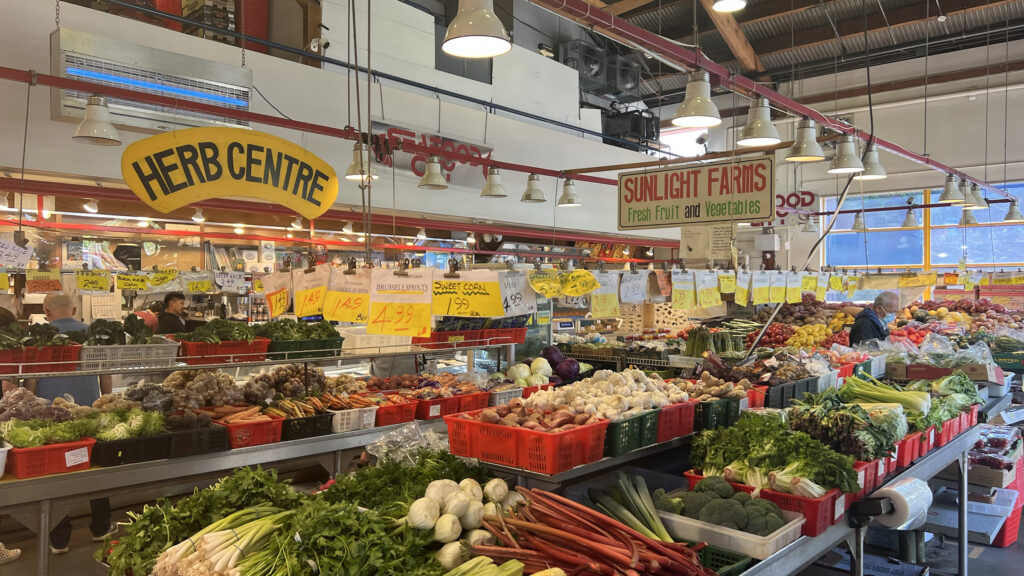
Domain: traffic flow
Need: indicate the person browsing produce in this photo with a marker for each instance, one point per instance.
(872, 323)
(172, 319)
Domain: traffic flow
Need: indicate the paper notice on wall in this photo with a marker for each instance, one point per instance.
(761, 287)
(777, 291)
(197, 282)
(684, 290)
(43, 282)
(742, 288)
(277, 289)
(13, 255)
(794, 287)
(231, 282)
(633, 287)
(604, 301)
(517, 298)
(707, 289)
(694, 242)
(400, 304)
(721, 240)
(472, 293)
(105, 306)
(310, 289)
(348, 296)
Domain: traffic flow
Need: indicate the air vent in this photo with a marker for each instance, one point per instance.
(624, 78)
(588, 60)
(84, 56)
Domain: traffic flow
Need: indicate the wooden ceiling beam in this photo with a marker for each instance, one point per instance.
(623, 6)
(734, 38)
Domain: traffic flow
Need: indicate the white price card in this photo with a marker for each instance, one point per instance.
(232, 282)
(13, 255)
(435, 411)
(840, 506)
(516, 295)
(633, 287)
(881, 468)
(76, 457)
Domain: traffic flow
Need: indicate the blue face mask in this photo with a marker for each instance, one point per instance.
(889, 319)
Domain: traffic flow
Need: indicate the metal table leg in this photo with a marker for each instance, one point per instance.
(962, 515)
(856, 544)
(43, 537)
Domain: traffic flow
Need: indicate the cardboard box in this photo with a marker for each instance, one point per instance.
(976, 372)
(985, 476)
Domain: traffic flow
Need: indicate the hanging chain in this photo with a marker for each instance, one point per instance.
(56, 17)
(241, 23)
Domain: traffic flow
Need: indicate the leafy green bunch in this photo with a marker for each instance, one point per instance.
(287, 329)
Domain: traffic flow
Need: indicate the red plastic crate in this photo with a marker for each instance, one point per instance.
(34, 359)
(1008, 533)
(881, 469)
(755, 396)
(906, 451)
(433, 409)
(396, 413)
(198, 353)
(245, 434)
(676, 420)
(529, 390)
(474, 401)
(504, 336)
(488, 442)
(846, 370)
(555, 452)
(950, 430)
(972, 416)
(49, 459)
(928, 437)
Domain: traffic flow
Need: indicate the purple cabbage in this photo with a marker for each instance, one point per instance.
(568, 369)
(553, 355)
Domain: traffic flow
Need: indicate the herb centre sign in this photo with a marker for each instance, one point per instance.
(734, 191)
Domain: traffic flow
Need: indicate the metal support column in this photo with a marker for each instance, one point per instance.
(43, 538)
(961, 493)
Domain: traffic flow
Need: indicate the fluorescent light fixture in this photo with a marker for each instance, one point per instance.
(729, 5)
(91, 206)
(846, 160)
(476, 32)
(759, 130)
(96, 128)
(493, 187)
(357, 169)
(806, 147)
(198, 216)
(951, 192)
(569, 196)
(432, 178)
(697, 109)
(533, 192)
(873, 169)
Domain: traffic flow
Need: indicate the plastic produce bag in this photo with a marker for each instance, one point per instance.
(977, 353)
(401, 445)
(936, 350)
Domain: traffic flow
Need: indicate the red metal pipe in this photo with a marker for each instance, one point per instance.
(589, 16)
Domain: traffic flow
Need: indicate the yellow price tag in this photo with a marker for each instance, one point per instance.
(545, 282)
(708, 297)
(310, 302)
(277, 302)
(777, 290)
(257, 285)
(199, 286)
(684, 299)
(92, 280)
(461, 298)
(727, 283)
(399, 319)
(835, 283)
(347, 307)
(5, 281)
(742, 289)
(1002, 278)
(129, 281)
(912, 280)
(986, 279)
(1018, 277)
(40, 281)
(851, 286)
(794, 294)
(762, 294)
(821, 286)
(604, 305)
(809, 282)
(162, 277)
(578, 282)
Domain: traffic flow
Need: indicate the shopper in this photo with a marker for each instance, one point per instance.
(873, 322)
(150, 315)
(172, 319)
(7, 318)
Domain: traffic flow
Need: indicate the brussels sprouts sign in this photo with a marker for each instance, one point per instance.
(735, 191)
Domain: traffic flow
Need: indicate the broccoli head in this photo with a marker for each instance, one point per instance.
(662, 501)
(741, 497)
(693, 502)
(764, 517)
(716, 484)
(766, 506)
(772, 523)
(721, 511)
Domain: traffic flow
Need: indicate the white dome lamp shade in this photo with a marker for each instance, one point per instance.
(360, 165)
(91, 206)
(493, 187)
(806, 147)
(95, 127)
(569, 197)
(846, 160)
(969, 201)
(910, 221)
(432, 178)
(967, 218)
(533, 192)
(476, 32)
(858, 223)
(759, 130)
(873, 169)
(811, 227)
(1013, 214)
(950, 192)
(198, 216)
(697, 109)
(729, 5)
(979, 197)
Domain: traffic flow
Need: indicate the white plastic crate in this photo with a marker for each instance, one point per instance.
(354, 419)
(499, 398)
(1003, 504)
(828, 380)
(998, 390)
(877, 366)
(357, 341)
(758, 547)
(4, 449)
(161, 353)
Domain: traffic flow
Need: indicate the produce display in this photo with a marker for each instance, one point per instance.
(287, 329)
(776, 335)
(219, 330)
(610, 395)
(701, 339)
(14, 337)
(707, 387)
(514, 414)
(713, 500)
(113, 333)
(809, 336)
(865, 431)
(193, 389)
(536, 373)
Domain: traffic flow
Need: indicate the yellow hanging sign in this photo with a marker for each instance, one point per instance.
(131, 281)
(761, 287)
(684, 290)
(175, 169)
(578, 282)
(727, 282)
(851, 285)
(473, 293)
(277, 302)
(604, 305)
(92, 280)
(777, 289)
(162, 278)
(545, 282)
(742, 288)
(400, 305)
(43, 281)
(310, 288)
(916, 280)
(348, 297)
(821, 286)
(808, 282)
(835, 283)
(794, 288)
(5, 281)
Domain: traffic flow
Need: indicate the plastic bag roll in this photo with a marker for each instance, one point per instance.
(911, 499)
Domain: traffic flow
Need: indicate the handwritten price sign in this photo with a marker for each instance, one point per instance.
(129, 281)
(164, 281)
(794, 288)
(517, 298)
(310, 290)
(43, 282)
(761, 287)
(93, 281)
(684, 290)
(399, 319)
(475, 293)
(743, 288)
(545, 282)
(348, 297)
(633, 287)
(277, 302)
(5, 281)
(13, 255)
(277, 290)
(400, 305)
(604, 305)
(197, 282)
(777, 289)
(578, 282)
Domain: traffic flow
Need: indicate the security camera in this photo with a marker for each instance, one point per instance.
(702, 139)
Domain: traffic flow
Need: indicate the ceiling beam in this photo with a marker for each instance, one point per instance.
(734, 38)
(876, 21)
(623, 6)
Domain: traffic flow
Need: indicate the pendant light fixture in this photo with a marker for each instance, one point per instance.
(142, 223)
(357, 169)
(873, 169)
(433, 179)
(198, 217)
(569, 197)
(858, 223)
(697, 109)
(846, 160)
(759, 130)
(650, 252)
(910, 221)
(978, 196)
(96, 128)
(471, 239)
(493, 187)
(91, 206)
(969, 202)
(729, 5)
(950, 192)
(533, 192)
(967, 218)
(1012, 215)
(347, 228)
(476, 32)
(811, 227)
(806, 147)
(296, 224)
(421, 234)
(4, 204)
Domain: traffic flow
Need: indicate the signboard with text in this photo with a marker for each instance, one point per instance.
(735, 191)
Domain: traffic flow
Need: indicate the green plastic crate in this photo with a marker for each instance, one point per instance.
(732, 411)
(712, 414)
(301, 349)
(627, 435)
(724, 562)
(649, 428)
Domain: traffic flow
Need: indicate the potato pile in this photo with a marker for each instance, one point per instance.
(710, 388)
(514, 414)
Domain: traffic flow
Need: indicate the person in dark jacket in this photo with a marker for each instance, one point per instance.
(172, 319)
(873, 322)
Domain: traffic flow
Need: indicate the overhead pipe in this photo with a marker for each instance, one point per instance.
(605, 23)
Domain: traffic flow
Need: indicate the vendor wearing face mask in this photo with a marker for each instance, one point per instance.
(873, 322)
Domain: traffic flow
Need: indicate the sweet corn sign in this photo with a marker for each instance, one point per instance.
(735, 191)
(172, 170)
